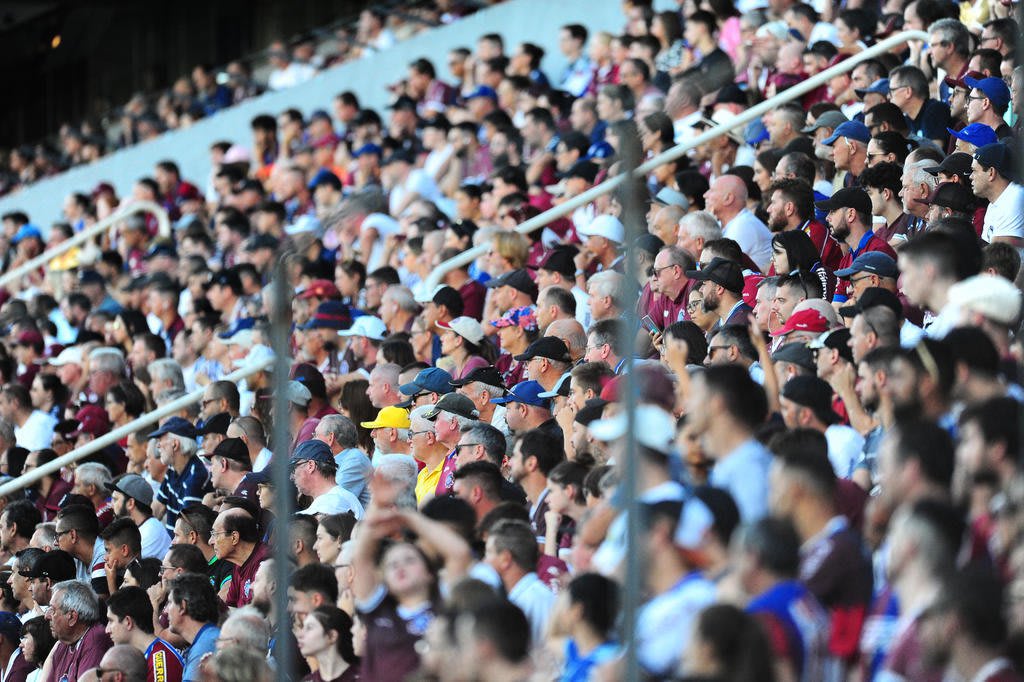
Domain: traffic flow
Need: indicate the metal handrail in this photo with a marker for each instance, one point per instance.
(122, 431)
(163, 230)
(552, 214)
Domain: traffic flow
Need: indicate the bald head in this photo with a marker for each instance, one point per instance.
(734, 185)
(125, 659)
(666, 223)
(571, 332)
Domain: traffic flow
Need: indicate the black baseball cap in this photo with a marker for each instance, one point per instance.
(582, 169)
(517, 279)
(57, 565)
(797, 353)
(848, 197)
(550, 347)
(835, 339)
(871, 297)
(951, 195)
(721, 271)
(559, 259)
(218, 423)
(233, 449)
(811, 392)
(485, 375)
(957, 163)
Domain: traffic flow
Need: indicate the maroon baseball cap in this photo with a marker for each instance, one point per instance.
(92, 419)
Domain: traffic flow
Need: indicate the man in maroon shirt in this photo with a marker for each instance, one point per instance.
(75, 619)
(236, 538)
(671, 285)
(791, 207)
(849, 217)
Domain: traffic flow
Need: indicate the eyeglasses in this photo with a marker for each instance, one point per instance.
(712, 349)
(416, 433)
(171, 568)
(204, 403)
(693, 305)
(465, 445)
(854, 280)
(58, 533)
(985, 39)
(658, 270)
(976, 97)
(215, 533)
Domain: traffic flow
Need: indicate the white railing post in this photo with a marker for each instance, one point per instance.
(120, 432)
(564, 209)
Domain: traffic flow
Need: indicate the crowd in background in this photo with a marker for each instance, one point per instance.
(827, 442)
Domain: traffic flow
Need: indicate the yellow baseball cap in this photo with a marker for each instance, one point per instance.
(389, 418)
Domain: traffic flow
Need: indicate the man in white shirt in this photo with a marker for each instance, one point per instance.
(991, 171)
(33, 429)
(132, 497)
(512, 552)
(806, 402)
(314, 473)
(405, 183)
(727, 200)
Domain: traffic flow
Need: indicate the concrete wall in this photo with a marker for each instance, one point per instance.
(517, 20)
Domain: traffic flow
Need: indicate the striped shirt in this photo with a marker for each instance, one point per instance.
(180, 490)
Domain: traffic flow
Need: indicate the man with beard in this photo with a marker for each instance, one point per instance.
(721, 285)
(791, 207)
(849, 217)
(132, 498)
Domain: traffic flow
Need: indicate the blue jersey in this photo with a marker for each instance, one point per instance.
(799, 628)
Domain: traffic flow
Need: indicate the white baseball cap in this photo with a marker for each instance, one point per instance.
(654, 428)
(466, 327)
(68, 356)
(990, 295)
(607, 226)
(367, 325)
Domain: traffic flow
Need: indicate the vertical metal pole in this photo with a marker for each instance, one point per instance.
(634, 221)
(280, 312)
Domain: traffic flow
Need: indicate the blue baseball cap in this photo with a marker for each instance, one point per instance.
(854, 130)
(599, 150)
(26, 231)
(429, 380)
(10, 626)
(755, 132)
(315, 450)
(994, 88)
(368, 148)
(875, 262)
(977, 134)
(239, 325)
(880, 87)
(324, 177)
(177, 426)
(526, 392)
(481, 91)
(997, 155)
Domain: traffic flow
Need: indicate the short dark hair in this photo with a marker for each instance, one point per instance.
(186, 557)
(200, 600)
(1001, 257)
(813, 467)
(798, 192)
(739, 336)
(974, 348)
(885, 175)
(999, 421)
(930, 445)
(24, 516)
(887, 112)
(123, 531)
(505, 627)
(775, 543)
(81, 518)
(577, 31)
(244, 524)
(484, 474)
(131, 601)
(972, 594)
(518, 539)
(599, 597)
(546, 448)
(318, 579)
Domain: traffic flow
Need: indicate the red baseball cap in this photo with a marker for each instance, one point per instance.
(92, 419)
(750, 285)
(803, 321)
(320, 288)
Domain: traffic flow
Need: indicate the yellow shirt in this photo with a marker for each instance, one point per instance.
(426, 482)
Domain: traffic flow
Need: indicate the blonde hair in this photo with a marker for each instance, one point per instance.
(513, 247)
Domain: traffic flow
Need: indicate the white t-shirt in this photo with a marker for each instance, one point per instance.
(666, 621)
(419, 183)
(155, 540)
(844, 447)
(37, 433)
(1005, 215)
(291, 75)
(752, 235)
(335, 501)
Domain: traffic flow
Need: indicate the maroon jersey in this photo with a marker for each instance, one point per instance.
(240, 589)
(391, 637)
(70, 662)
(163, 662)
(351, 674)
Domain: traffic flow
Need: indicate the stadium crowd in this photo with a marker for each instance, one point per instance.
(828, 360)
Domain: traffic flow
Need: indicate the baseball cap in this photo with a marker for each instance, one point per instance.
(848, 197)
(519, 280)
(367, 325)
(977, 134)
(262, 241)
(10, 626)
(57, 565)
(92, 419)
(297, 393)
(607, 226)
(811, 392)
(722, 272)
(957, 163)
(324, 177)
(721, 117)
(526, 392)
(951, 195)
(73, 355)
(233, 449)
(242, 338)
(854, 130)
(524, 316)
(398, 155)
(559, 259)
(133, 486)
(330, 315)
(797, 353)
(994, 88)
(875, 262)
(871, 297)
(990, 295)
(485, 375)
(835, 339)
(238, 326)
(954, 82)
(177, 426)
(654, 427)
(671, 197)
(218, 423)
(312, 450)
(561, 387)
(830, 119)
(803, 321)
(731, 94)
(880, 87)
(582, 169)
(550, 347)
(90, 277)
(429, 380)
(481, 91)
(591, 411)
(389, 418)
(29, 337)
(455, 403)
(319, 288)
(999, 156)
(403, 103)
(466, 327)
(27, 231)
(368, 148)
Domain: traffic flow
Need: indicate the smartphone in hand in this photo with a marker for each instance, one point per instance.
(648, 323)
